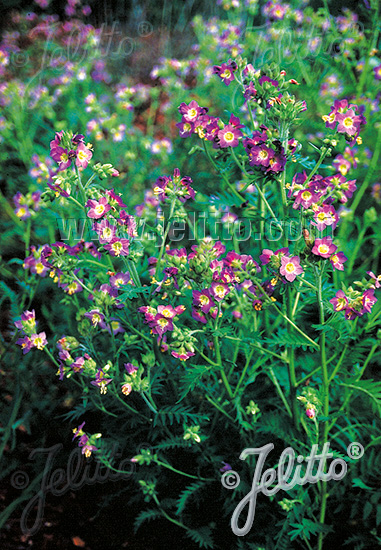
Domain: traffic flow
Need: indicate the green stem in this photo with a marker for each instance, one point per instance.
(349, 395)
(206, 358)
(219, 362)
(260, 192)
(72, 199)
(81, 189)
(272, 353)
(273, 378)
(127, 406)
(356, 250)
(162, 248)
(308, 376)
(226, 180)
(178, 523)
(337, 368)
(220, 408)
(150, 404)
(244, 372)
(369, 174)
(316, 346)
(169, 467)
(323, 154)
(324, 371)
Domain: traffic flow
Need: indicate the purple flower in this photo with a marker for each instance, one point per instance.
(78, 432)
(229, 136)
(202, 300)
(368, 300)
(62, 157)
(337, 261)
(118, 247)
(83, 156)
(219, 290)
(115, 199)
(377, 72)
(97, 208)
(101, 381)
(226, 467)
(226, 71)
(265, 78)
(183, 355)
(95, 316)
(130, 368)
(290, 267)
(105, 231)
(340, 301)
(120, 279)
(39, 341)
(325, 216)
(375, 278)
(324, 247)
(25, 343)
(27, 323)
(191, 112)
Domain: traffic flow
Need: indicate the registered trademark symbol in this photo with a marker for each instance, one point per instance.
(145, 28)
(355, 450)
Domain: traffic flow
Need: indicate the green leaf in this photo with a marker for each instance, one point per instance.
(186, 495)
(358, 483)
(202, 537)
(146, 515)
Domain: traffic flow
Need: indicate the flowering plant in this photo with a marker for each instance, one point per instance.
(222, 312)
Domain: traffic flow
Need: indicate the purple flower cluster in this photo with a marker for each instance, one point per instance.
(281, 263)
(85, 442)
(263, 153)
(27, 205)
(196, 121)
(114, 228)
(356, 304)
(166, 187)
(344, 119)
(65, 150)
(161, 320)
(32, 339)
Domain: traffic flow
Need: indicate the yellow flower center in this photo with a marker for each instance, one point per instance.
(38, 343)
(166, 313)
(341, 303)
(323, 248)
(348, 122)
(99, 209)
(72, 288)
(117, 247)
(263, 155)
(39, 268)
(82, 155)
